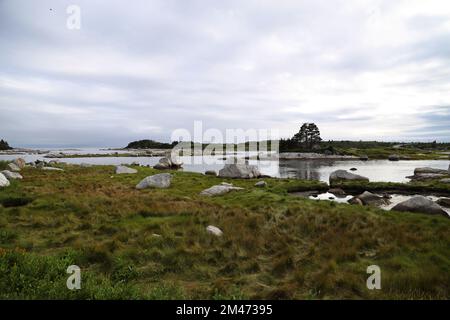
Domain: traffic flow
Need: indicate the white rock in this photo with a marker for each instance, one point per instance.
(125, 170)
(3, 181)
(11, 175)
(161, 180)
(218, 190)
(261, 184)
(13, 167)
(51, 169)
(214, 230)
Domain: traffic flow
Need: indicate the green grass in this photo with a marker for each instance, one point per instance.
(152, 244)
(405, 153)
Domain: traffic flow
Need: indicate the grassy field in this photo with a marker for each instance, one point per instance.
(153, 244)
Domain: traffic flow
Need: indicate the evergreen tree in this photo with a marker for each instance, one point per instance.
(4, 145)
(308, 136)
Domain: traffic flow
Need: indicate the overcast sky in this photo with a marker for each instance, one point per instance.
(140, 69)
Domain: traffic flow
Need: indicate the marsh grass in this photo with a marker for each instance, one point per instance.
(153, 244)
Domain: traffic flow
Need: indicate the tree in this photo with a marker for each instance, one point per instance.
(308, 136)
(4, 145)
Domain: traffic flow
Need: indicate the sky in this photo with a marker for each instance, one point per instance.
(361, 70)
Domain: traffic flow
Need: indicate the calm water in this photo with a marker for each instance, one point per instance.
(375, 170)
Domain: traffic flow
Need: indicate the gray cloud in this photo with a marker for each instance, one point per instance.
(142, 69)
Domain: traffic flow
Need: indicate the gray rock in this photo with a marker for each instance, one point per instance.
(261, 184)
(368, 198)
(218, 190)
(20, 163)
(364, 158)
(419, 204)
(446, 180)
(85, 165)
(161, 181)
(418, 171)
(239, 170)
(355, 200)
(125, 170)
(214, 231)
(13, 167)
(445, 202)
(337, 192)
(51, 169)
(342, 175)
(11, 175)
(426, 176)
(394, 157)
(3, 181)
(211, 173)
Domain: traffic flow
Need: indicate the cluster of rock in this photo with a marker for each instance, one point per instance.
(12, 172)
(168, 162)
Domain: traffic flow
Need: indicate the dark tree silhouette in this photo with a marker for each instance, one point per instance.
(308, 136)
(4, 145)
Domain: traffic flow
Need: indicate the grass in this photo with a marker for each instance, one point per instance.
(153, 244)
(405, 153)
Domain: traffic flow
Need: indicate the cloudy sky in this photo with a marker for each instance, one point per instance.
(141, 69)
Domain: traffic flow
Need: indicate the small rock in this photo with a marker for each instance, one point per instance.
(419, 204)
(211, 173)
(161, 181)
(218, 190)
(20, 163)
(394, 157)
(3, 181)
(13, 167)
(353, 169)
(261, 184)
(125, 170)
(85, 165)
(214, 230)
(446, 180)
(337, 192)
(11, 175)
(356, 200)
(364, 158)
(445, 202)
(368, 198)
(51, 169)
(426, 176)
(418, 171)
